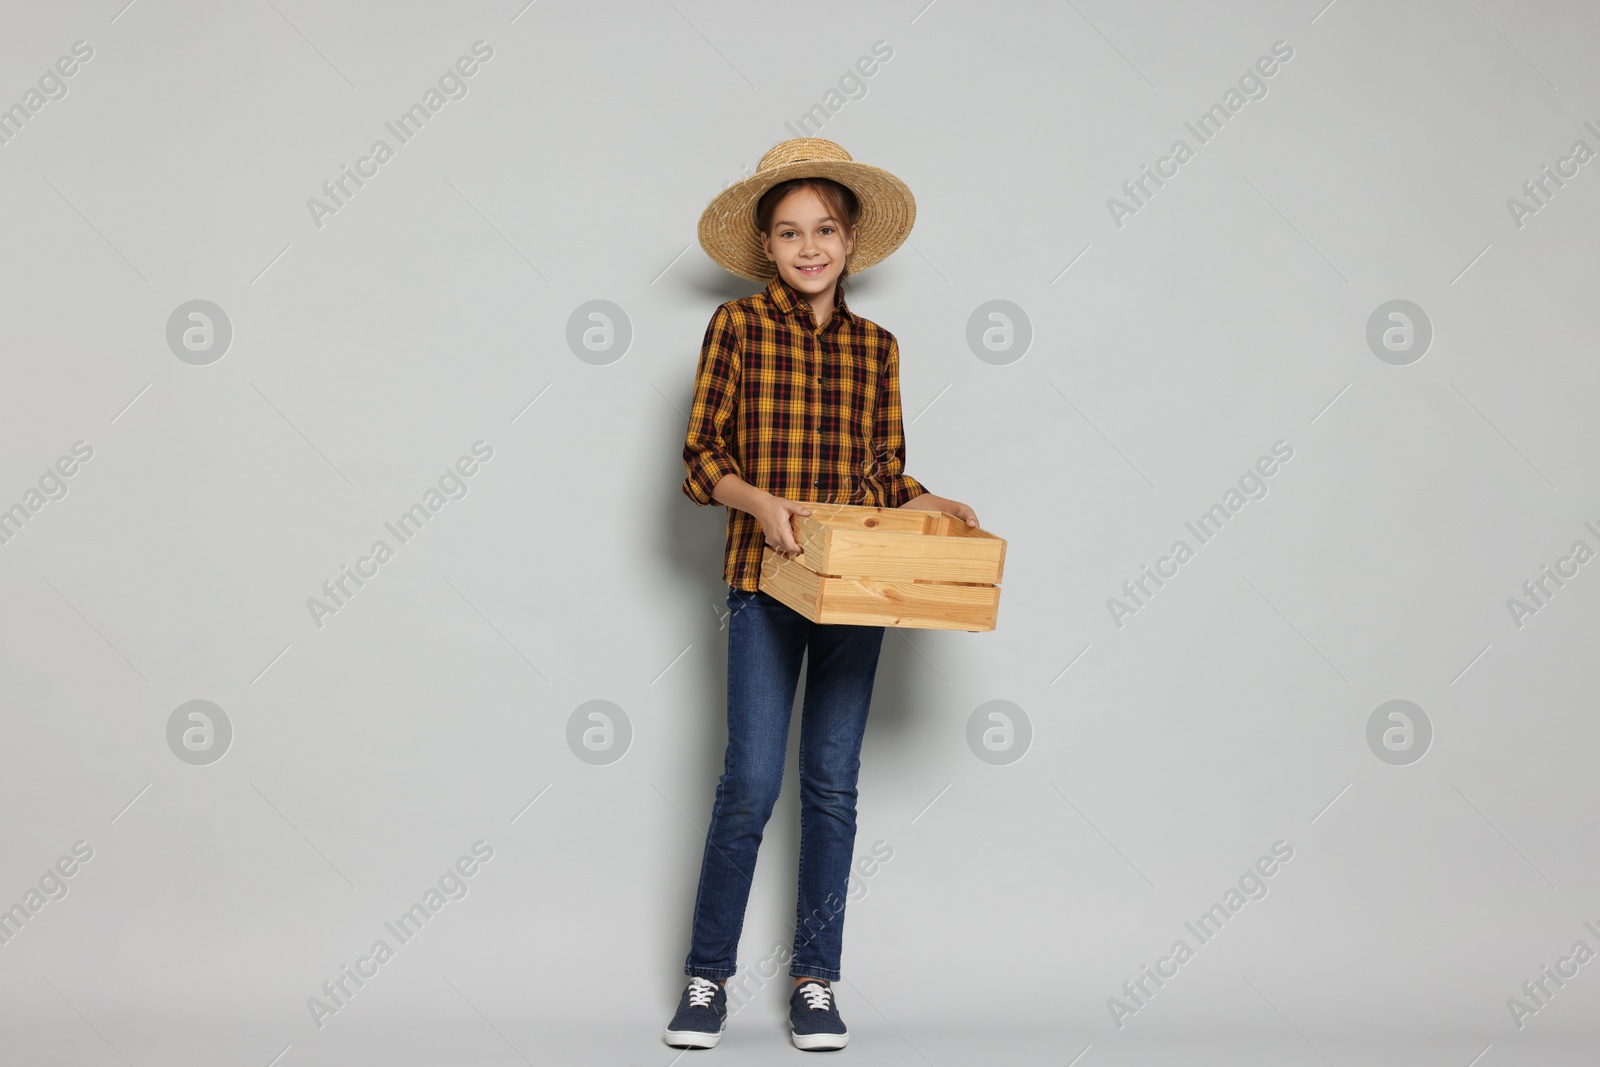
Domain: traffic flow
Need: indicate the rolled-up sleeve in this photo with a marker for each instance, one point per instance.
(889, 444)
(707, 455)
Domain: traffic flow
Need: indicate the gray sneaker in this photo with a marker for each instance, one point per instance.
(702, 1015)
(814, 1023)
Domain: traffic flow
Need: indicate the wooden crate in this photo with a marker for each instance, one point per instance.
(866, 566)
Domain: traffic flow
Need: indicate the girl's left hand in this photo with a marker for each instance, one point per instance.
(930, 502)
(961, 511)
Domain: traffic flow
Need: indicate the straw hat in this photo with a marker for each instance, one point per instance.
(728, 224)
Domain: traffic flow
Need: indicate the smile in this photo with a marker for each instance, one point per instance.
(814, 270)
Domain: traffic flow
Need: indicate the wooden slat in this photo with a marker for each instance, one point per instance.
(886, 520)
(902, 555)
(927, 605)
(879, 602)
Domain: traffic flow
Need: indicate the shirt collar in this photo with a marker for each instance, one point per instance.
(788, 299)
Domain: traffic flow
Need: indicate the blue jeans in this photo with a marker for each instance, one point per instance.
(766, 640)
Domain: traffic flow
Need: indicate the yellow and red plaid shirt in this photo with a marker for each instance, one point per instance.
(807, 414)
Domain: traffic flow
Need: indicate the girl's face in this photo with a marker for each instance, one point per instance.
(808, 244)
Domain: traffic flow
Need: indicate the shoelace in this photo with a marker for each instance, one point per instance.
(701, 991)
(816, 995)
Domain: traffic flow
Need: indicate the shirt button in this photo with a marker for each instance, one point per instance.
(816, 483)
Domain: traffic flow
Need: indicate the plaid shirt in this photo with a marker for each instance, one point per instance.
(807, 414)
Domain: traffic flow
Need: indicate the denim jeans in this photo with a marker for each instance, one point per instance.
(766, 640)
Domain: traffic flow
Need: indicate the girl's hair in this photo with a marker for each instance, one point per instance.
(839, 198)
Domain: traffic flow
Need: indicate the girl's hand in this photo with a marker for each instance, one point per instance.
(929, 502)
(777, 523)
(961, 511)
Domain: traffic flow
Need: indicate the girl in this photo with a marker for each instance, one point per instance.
(796, 400)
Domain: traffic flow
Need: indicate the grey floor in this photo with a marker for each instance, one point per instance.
(753, 1037)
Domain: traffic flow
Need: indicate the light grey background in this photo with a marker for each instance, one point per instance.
(1168, 353)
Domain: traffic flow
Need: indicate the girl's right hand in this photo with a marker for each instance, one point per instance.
(777, 523)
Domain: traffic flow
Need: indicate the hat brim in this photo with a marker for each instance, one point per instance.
(728, 227)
